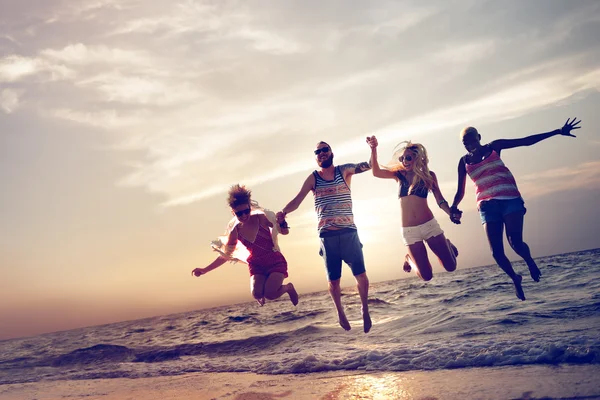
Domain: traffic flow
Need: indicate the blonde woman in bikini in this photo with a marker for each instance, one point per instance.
(256, 229)
(499, 201)
(415, 180)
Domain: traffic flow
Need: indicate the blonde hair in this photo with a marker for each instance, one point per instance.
(420, 168)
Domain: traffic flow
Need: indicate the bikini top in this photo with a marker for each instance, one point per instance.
(419, 189)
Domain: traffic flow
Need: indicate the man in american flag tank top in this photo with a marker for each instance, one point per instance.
(499, 201)
(339, 239)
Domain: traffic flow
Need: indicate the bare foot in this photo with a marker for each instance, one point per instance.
(518, 288)
(344, 322)
(535, 272)
(453, 248)
(292, 293)
(406, 267)
(367, 324)
(261, 302)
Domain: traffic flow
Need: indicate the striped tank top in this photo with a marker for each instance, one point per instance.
(492, 179)
(333, 203)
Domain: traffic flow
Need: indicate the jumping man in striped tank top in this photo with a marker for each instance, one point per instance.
(499, 201)
(339, 239)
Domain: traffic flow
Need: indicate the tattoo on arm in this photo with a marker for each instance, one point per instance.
(358, 168)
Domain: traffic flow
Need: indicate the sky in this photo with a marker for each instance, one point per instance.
(124, 122)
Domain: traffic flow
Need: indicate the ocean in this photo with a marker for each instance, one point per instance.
(468, 318)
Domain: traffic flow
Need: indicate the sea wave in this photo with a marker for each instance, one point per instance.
(255, 354)
(468, 318)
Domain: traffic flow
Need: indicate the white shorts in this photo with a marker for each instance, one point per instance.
(414, 234)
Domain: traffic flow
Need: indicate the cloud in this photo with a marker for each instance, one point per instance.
(269, 42)
(582, 176)
(465, 52)
(81, 55)
(15, 68)
(214, 23)
(10, 39)
(511, 102)
(213, 87)
(9, 100)
(106, 119)
(139, 90)
(85, 10)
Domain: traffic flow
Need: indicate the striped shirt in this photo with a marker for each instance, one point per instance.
(333, 203)
(492, 179)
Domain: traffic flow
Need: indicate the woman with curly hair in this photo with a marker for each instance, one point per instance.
(410, 170)
(256, 228)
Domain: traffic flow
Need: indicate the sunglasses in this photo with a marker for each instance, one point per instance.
(407, 158)
(243, 212)
(322, 150)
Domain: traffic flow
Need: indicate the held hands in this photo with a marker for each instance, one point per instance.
(569, 126)
(280, 216)
(455, 215)
(198, 271)
(372, 142)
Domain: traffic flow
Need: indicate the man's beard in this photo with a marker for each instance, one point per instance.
(326, 163)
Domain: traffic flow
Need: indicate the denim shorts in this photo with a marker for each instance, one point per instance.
(345, 246)
(495, 210)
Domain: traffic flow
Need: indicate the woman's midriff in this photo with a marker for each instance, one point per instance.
(415, 211)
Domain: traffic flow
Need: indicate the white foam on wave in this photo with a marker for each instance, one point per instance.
(416, 331)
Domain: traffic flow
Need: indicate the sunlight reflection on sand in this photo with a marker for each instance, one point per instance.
(380, 387)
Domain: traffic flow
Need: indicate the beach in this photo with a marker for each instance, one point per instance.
(463, 335)
(522, 382)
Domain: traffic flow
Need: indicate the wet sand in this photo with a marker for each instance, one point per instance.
(524, 382)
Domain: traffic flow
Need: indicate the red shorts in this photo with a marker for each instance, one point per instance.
(267, 264)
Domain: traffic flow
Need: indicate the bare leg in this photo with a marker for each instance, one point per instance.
(291, 291)
(514, 234)
(274, 288)
(362, 284)
(443, 249)
(419, 261)
(336, 295)
(453, 248)
(494, 232)
(257, 288)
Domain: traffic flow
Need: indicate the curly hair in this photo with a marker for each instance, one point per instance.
(238, 195)
(421, 168)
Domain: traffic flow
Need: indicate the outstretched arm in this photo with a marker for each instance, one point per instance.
(231, 242)
(378, 172)
(307, 186)
(437, 193)
(351, 169)
(460, 192)
(502, 144)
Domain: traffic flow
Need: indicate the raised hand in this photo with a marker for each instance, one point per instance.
(198, 271)
(569, 126)
(372, 141)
